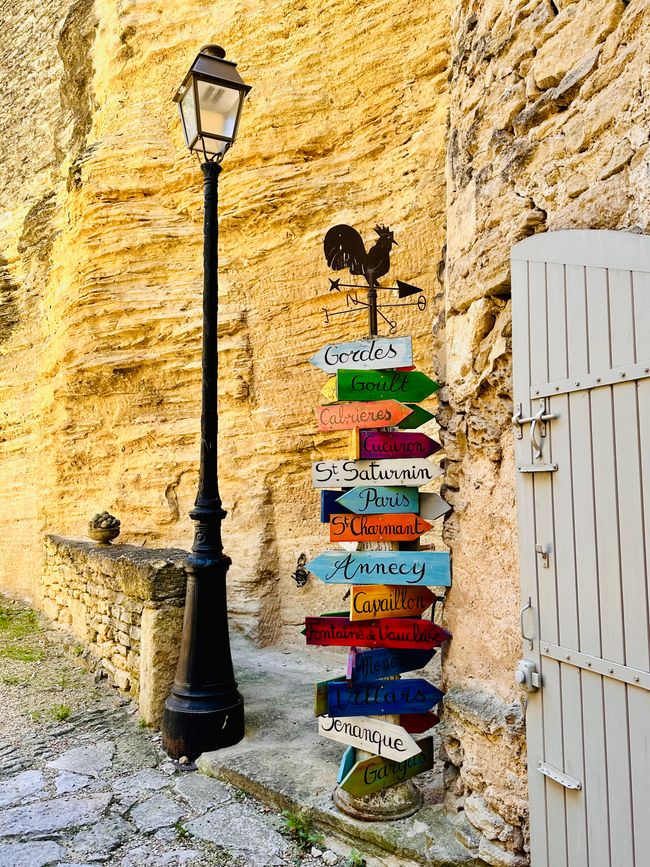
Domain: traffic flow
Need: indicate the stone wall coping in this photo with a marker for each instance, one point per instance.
(139, 572)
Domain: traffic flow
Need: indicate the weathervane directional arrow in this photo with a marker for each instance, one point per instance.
(403, 289)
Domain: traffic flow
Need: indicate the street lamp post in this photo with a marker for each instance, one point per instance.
(204, 710)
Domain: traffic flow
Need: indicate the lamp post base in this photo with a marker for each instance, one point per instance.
(192, 727)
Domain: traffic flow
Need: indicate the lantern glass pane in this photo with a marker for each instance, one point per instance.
(188, 112)
(219, 106)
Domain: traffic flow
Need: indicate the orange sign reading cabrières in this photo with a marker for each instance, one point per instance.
(345, 416)
(377, 528)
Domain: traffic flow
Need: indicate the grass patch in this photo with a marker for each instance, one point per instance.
(298, 826)
(22, 653)
(181, 831)
(11, 679)
(355, 859)
(61, 712)
(16, 623)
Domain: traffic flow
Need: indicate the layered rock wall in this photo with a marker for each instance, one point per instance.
(549, 129)
(101, 234)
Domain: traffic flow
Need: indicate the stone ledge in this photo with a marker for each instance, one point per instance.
(149, 574)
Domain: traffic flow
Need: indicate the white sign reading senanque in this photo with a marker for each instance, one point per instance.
(368, 733)
(402, 471)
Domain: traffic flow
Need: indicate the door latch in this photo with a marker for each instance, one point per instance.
(543, 551)
(527, 675)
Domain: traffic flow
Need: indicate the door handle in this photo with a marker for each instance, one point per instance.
(529, 638)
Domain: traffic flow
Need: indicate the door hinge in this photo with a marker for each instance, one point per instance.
(559, 777)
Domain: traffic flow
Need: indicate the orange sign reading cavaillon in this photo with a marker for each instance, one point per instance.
(377, 528)
(382, 600)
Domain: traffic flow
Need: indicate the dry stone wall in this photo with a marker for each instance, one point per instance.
(126, 605)
(549, 129)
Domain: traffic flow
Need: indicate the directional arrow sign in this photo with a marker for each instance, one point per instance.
(378, 384)
(377, 773)
(375, 501)
(410, 472)
(373, 735)
(429, 568)
(347, 763)
(385, 444)
(345, 416)
(416, 723)
(377, 697)
(406, 632)
(320, 695)
(431, 507)
(329, 390)
(364, 665)
(376, 528)
(377, 354)
(418, 417)
(384, 600)
(329, 505)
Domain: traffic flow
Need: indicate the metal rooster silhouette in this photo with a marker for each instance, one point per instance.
(344, 248)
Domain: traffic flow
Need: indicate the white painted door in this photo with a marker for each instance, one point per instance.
(581, 354)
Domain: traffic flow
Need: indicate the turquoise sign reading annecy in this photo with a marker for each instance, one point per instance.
(383, 567)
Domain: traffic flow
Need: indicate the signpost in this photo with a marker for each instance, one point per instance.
(409, 472)
(376, 736)
(416, 418)
(382, 600)
(374, 384)
(374, 389)
(377, 528)
(345, 416)
(417, 723)
(377, 500)
(406, 632)
(432, 506)
(364, 665)
(383, 567)
(378, 773)
(373, 354)
(375, 445)
(414, 695)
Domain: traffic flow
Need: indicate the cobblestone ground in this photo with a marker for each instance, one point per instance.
(83, 782)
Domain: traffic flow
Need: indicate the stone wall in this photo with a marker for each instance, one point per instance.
(124, 603)
(549, 129)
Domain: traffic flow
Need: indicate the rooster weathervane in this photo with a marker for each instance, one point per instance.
(344, 249)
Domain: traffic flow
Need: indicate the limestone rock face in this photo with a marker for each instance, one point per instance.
(549, 129)
(101, 258)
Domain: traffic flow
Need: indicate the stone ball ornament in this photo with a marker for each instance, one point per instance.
(104, 527)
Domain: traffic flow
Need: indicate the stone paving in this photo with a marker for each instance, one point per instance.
(97, 788)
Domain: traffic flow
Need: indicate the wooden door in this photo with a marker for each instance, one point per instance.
(581, 355)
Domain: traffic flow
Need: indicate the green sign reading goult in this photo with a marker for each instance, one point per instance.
(377, 384)
(378, 773)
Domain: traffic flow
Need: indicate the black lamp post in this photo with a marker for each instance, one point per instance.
(204, 710)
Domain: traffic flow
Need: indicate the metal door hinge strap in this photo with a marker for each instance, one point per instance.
(537, 468)
(582, 382)
(559, 777)
(604, 667)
